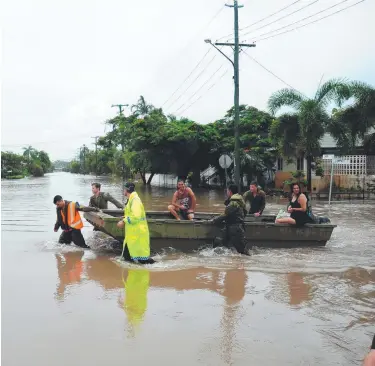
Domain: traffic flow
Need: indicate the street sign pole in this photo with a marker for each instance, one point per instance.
(332, 158)
(225, 162)
(330, 185)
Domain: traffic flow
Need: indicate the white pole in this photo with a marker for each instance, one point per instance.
(330, 185)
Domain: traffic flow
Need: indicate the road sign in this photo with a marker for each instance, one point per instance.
(328, 157)
(225, 161)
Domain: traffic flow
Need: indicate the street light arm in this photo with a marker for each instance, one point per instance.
(221, 52)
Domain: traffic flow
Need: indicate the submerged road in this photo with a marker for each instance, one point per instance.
(62, 305)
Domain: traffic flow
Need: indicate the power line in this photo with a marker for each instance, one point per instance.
(191, 104)
(304, 25)
(195, 67)
(269, 16)
(308, 17)
(197, 77)
(269, 71)
(196, 92)
(261, 20)
(203, 28)
(283, 17)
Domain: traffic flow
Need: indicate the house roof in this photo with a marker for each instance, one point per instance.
(329, 142)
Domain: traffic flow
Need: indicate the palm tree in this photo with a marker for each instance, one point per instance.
(352, 123)
(30, 154)
(312, 117)
(141, 108)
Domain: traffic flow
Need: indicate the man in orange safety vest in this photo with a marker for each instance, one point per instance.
(69, 219)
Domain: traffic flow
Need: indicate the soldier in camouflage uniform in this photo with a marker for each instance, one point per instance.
(100, 199)
(234, 216)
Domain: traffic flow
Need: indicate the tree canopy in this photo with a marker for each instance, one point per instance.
(31, 162)
(148, 141)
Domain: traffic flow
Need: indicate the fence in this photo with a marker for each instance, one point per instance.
(351, 165)
(353, 177)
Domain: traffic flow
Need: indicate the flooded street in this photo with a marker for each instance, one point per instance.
(65, 306)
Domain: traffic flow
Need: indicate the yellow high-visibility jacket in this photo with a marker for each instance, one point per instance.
(137, 236)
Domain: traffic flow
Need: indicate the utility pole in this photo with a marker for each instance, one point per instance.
(119, 106)
(236, 49)
(96, 154)
(122, 137)
(84, 159)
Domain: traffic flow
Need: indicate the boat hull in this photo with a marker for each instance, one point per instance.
(186, 235)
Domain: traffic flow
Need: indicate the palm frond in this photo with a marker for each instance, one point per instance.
(334, 89)
(364, 95)
(284, 98)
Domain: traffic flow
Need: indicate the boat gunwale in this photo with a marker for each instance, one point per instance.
(110, 218)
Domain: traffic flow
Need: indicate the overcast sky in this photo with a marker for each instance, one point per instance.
(66, 62)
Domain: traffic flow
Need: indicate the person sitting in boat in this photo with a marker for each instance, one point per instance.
(256, 198)
(297, 208)
(69, 219)
(136, 246)
(234, 216)
(183, 202)
(100, 199)
(315, 218)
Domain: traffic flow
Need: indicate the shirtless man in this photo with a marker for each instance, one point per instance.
(183, 202)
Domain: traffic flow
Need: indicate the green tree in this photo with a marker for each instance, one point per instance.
(351, 124)
(32, 161)
(45, 161)
(12, 164)
(142, 108)
(257, 153)
(312, 115)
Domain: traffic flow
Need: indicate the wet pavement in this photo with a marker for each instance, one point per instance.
(62, 305)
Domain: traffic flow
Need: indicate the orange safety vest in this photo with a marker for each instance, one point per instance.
(74, 218)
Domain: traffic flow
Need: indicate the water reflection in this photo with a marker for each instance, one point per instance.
(299, 291)
(234, 292)
(136, 282)
(69, 269)
(136, 287)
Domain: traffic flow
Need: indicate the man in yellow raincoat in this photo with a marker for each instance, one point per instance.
(137, 237)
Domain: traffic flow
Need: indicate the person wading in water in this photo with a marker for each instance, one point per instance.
(297, 208)
(137, 237)
(256, 198)
(234, 216)
(69, 219)
(183, 202)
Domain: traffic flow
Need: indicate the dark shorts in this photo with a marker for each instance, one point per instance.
(184, 214)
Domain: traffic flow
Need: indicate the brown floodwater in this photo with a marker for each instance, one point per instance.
(65, 306)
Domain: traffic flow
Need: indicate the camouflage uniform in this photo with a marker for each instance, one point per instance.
(234, 215)
(101, 201)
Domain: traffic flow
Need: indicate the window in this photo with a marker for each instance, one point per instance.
(301, 163)
(280, 164)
